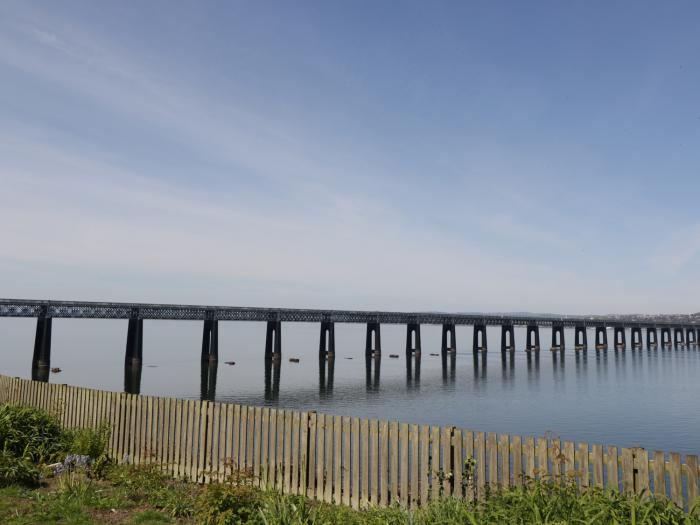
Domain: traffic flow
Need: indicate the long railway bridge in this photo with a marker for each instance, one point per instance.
(664, 330)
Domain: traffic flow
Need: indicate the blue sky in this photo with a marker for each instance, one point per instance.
(490, 156)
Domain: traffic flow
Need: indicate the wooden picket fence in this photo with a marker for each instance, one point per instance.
(348, 460)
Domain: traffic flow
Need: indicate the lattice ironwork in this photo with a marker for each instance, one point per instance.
(95, 310)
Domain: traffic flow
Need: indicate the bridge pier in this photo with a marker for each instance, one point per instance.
(480, 344)
(449, 339)
(666, 337)
(601, 338)
(326, 345)
(652, 338)
(532, 341)
(619, 338)
(691, 337)
(678, 339)
(413, 339)
(448, 368)
(507, 338)
(210, 340)
(636, 337)
(580, 338)
(558, 342)
(42, 343)
(132, 379)
(372, 372)
(273, 340)
(373, 345)
(134, 342)
(272, 379)
(413, 370)
(326, 374)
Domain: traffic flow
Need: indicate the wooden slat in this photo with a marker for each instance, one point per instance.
(328, 456)
(596, 459)
(200, 446)
(211, 452)
(556, 460)
(446, 446)
(229, 461)
(691, 471)
(294, 484)
(504, 459)
(355, 469)
(468, 445)
(279, 453)
(219, 438)
(320, 455)
(542, 459)
(457, 463)
(273, 475)
(480, 457)
(492, 452)
(188, 431)
(570, 473)
(424, 464)
(250, 441)
(414, 485)
(346, 470)
(611, 469)
(403, 473)
(177, 439)
(641, 467)
(313, 439)
(337, 459)
(627, 470)
(303, 451)
(264, 448)
(435, 463)
(170, 405)
(287, 451)
(243, 439)
(582, 464)
(659, 473)
(383, 462)
(517, 451)
(364, 466)
(257, 441)
(674, 474)
(236, 450)
(374, 461)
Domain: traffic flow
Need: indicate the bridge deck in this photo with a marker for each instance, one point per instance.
(104, 310)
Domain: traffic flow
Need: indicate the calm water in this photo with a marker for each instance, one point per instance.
(628, 398)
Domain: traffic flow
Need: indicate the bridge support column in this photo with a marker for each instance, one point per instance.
(532, 341)
(480, 344)
(507, 338)
(132, 378)
(678, 337)
(449, 340)
(273, 340)
(326, 374)
(42, 343)
(326, 345)
(580, 338)
(601, 338)
(272, 379)
(558, 342)
(372, 372)
(413, 339)
(210, 340)
(134, 342)
(691, 337)
(373, 344)
(619, 337)
(652, 338)
(636, 336)
(665, 337)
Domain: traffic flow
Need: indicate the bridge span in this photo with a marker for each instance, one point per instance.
(679, 330)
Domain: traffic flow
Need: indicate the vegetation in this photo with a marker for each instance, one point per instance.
(102, 492)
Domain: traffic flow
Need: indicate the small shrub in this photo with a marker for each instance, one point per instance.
(30, 433)
(16, 470)
(88, 441)
(226, 504)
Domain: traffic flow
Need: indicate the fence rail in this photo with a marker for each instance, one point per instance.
(342, 459)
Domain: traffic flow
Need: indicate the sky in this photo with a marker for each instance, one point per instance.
(455, 156)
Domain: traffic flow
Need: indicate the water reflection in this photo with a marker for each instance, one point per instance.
(448, 367)
(413, 370)
(479, 366)
(273, 369)
(372, 371)
(507, 366)
(208, 380)
(326, 371)
(132, 379)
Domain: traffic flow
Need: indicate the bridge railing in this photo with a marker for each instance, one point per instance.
(348, 460)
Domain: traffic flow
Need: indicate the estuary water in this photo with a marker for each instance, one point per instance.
(637, 397)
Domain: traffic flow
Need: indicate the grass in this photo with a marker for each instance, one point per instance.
(125, 494)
